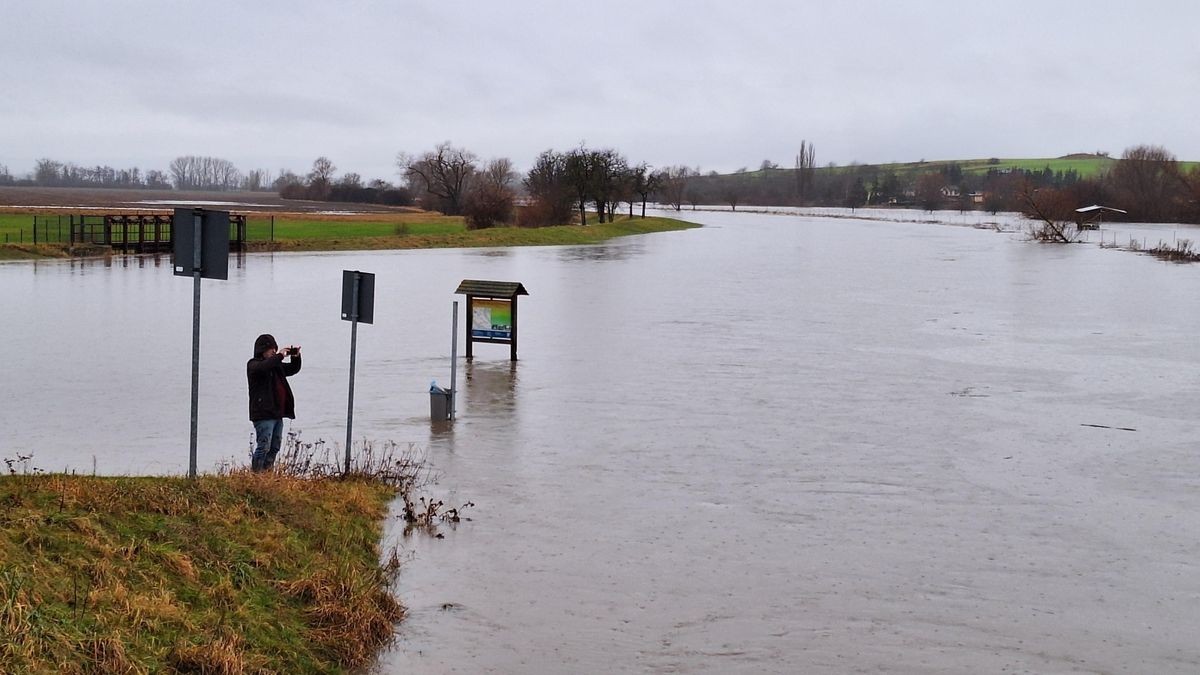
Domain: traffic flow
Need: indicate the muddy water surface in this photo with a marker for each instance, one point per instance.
(774, 444)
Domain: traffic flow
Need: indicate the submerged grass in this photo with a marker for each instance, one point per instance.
(237, 573)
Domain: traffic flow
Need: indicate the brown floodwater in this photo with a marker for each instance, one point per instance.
(773, 444)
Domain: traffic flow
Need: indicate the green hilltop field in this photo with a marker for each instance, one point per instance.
(1085, 164)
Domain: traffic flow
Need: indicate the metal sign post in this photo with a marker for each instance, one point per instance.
(358, 304)
(201, 250)
(198, 243)
(453, 358)
(353, 347)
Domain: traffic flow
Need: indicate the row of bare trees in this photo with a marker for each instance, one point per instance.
(452, 180)
(52, 173)
(192, 172)
(184, 173)
(322, 184)
(559, 187)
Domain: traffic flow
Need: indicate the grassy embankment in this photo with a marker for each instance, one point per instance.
(242, 573)
(296, 232)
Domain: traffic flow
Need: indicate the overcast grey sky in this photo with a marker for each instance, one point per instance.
(717, 85)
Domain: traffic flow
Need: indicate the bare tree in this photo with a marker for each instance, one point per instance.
(581, 173)
(1146, 179)
(499, 173)
(609, 170)
(191, 172)
(733, 193)
(644, 183)
(929, 190)
(46, 172)
(157, 180)
(805, 166)
(1191, 192)
(1054, 209)
(257, 179)
(443, 172)
(322, 169)
(856, 194)
(549, 189)
(673, 182)
(490, 196)
(286, 179)
(320, 179)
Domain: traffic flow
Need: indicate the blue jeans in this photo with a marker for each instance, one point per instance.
(268, 436)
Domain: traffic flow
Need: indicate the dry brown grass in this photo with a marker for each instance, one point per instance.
(225, 655)
(241, 573)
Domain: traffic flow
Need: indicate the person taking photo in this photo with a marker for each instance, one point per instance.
(271, 397)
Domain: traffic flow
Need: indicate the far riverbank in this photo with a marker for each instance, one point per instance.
(293, 232)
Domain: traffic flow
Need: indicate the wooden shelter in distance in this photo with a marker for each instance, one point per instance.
(1090, 217)
(491, 312)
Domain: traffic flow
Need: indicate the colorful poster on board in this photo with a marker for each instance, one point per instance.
(491, 319)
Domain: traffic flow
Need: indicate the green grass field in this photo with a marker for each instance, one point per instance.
(18, 227)
(446, 235)
(259, 229)
(12, 225)
(1086, 167)
(401, 231)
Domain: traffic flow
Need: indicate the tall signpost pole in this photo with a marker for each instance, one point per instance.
(353, 346)
(358, 304)
(198, 245)
(453, 358)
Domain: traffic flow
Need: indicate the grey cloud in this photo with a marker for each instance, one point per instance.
(717, 84)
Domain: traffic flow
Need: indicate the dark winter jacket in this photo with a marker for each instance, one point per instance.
(270, 394)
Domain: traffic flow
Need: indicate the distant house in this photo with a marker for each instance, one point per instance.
(976, 197)
(951, 192)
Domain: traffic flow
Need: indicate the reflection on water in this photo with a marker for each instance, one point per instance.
(489, 252)
(785, 444)
(237, 260)
(491, 387)
(623, 250)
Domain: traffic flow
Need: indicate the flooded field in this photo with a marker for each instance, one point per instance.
(775, 444)
(61, 199)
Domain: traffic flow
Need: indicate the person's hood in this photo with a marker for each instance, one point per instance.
(263, 343)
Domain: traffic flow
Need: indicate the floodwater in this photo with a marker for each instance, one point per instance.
(774, 444)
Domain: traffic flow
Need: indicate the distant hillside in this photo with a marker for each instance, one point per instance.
(991, 184)
(1085, 164)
